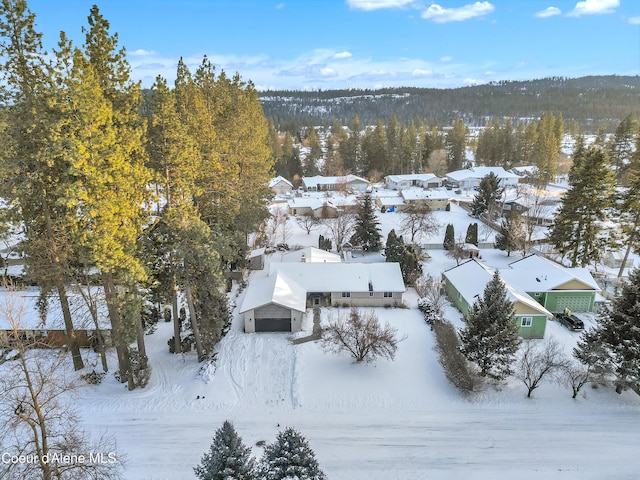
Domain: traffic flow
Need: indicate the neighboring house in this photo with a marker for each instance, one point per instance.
(553, 286)
(320, 183)
(616, 259)
(318, 207)
(50, 331)
(311, 255)
(278, 301)
(470, 178)
(393, 203)
(424, 180)
(280, 185)
(467, 281)
(434, 199)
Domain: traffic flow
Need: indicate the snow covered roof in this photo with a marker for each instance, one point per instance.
(322, 180)
(279, 179)
(471, 278)
(311, 255)
(391, 201)
(417, 193)
(535, 273)
(256, 253)
(421, 177)
(343, 277)
(480, 172)
(308, 202)
(278, 289)
(22, 306)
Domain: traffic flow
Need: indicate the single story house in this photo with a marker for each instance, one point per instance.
(434, 199)
(280, 185)
(466, 282)
(470, 177)
(321, 183)
(19, 315)
(393, 203)
(278, 301)
(318, 207)
(424, 180)
(553, 286)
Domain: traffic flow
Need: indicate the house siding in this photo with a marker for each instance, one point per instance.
(537, 328)
(363, 299)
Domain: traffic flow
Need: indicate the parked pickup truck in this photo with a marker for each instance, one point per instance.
(570, 321)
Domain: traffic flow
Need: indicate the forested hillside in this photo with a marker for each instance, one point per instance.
(588, 101)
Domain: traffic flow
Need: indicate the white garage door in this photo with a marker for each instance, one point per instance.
(575, 304)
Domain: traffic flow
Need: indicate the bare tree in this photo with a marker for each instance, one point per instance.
(39, 429)
(457, 251)
(362, 336)
(418, 219)
(536, 361)
(576, 375)
(430, 290)
(308, 222)
(340, 228)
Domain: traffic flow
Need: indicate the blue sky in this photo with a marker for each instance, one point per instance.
(326, 44)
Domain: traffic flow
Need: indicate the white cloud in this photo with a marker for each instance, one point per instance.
(634, 20)
(377, 4)
(420, 72)
(342, 55)
(142, 53)
(446, 59)
(549, 12)
(442, 15)
(327, 72)
(594, 7)
(280, 5)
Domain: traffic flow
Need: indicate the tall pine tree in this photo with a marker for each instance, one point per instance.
(367, 230)
(490, 336)
(613, 347)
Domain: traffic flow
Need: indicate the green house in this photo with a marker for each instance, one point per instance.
(467, 281)
(553, 286)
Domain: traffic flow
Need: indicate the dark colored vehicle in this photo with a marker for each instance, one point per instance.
(570, 321)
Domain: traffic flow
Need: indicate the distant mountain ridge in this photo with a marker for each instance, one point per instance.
(589, 101)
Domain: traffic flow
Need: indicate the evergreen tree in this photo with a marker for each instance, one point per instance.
(577, 228)
(621, 145)
(289, 457)
(629, 208)
(456, 144)
(350, 149)
(228, 458)
(614, 345)
(367, 230)
(449, 238)
(511, 236)
(393, 250)
(472, 234)
(490, 336)
(35, 171)
(488, 198)
(374, 151)
(547, 146)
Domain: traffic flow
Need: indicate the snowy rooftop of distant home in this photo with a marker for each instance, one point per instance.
(256, 253)
(423, 177)
(418, 193)
(308, 202)
(274, 181)
(22, 306)
(480, 172)
(322, 180)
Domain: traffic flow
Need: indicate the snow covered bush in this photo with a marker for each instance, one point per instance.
(228, 458)
(289, 458)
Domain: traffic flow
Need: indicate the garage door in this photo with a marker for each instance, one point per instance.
(575, 304)
(273, 324)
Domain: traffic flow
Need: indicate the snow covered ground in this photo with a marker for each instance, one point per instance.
(381, 421)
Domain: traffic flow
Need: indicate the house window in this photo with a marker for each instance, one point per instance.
(388, 294)
(346, 294)
(371, 294)
(526, 321)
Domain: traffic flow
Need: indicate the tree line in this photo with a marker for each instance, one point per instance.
(156, 191)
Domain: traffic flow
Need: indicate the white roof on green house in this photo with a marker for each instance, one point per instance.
(538, 274)
(470, 280)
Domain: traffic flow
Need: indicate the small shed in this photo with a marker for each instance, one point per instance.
(255, 260)
(280, 185)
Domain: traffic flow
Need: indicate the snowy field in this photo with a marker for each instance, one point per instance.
(381, 421)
